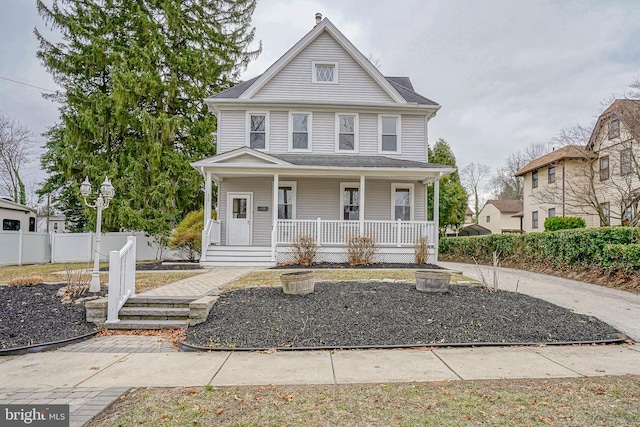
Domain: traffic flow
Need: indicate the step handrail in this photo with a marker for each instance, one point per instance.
(122, 278)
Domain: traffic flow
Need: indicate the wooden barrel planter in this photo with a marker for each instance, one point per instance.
(432, 281)
(298, 282)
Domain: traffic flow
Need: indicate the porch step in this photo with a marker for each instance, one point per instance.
(154, 313)
(236, 256)
(160, 301)
(148, 324)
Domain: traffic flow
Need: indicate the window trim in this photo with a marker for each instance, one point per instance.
(294, 198)
(411, 188)
(607, 169)
(266, 129)
(611, 132)
(398, 118)
(356, 133)
(343, 186)
(549, 174)
(314, 75)
(535, 220)
(309, 131)
(622, 162)
(534, 179)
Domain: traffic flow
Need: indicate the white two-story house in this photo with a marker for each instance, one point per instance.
(320, 144)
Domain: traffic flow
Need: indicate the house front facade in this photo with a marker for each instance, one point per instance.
(499, 216)
(320, 145)
(598, 182)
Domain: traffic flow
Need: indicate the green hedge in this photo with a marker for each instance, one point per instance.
(563, 223)
(612, 248)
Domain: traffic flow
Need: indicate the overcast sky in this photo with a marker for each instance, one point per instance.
(507, 73)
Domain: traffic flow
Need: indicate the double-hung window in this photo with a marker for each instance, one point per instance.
(552, 174)
(300, 131)
(604, 168)
(389, 137)
(287, 200)
(614, 129)
(346, 133)
(350, 201)
(534, 179)
(552, 213)
(606, 214)
(625, 161)
(534, 219)
(402, 202)
(258, 130)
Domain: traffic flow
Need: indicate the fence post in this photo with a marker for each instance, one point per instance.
(52, 239)
(20, 248)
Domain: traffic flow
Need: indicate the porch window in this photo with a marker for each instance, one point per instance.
(552, 174)
(402, 202)
(300, 135)
(389, 134)
(287, 200)
(625, 161)
(614, 129)
(347, 132)
(534, 219)
(258, 130)
(604, 168)
(350, 202)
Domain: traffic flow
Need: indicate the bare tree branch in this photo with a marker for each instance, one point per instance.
(471, 176)
(16, 144)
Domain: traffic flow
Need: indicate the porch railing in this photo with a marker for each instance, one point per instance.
(122, 278)
(331, 232)
(210, 235)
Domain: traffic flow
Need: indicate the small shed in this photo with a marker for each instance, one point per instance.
(16, 217)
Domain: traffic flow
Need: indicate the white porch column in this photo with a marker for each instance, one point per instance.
(274, 220)
(207, 198)
(436, 213)
(361, 203)
(426, 201)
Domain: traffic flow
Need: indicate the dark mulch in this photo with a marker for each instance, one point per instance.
(33, 314)
(380, 265)
(163, 266)
(376, 314)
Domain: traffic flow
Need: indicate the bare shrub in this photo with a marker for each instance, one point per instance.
(421, 250)
(361, 249)
(306, 249)
(78, 281)
(26, 280)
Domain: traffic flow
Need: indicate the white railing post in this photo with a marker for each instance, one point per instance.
(114, 287)
(398, 233)
(318, 231)
(131, 267)
(206, 239)
(122, 278)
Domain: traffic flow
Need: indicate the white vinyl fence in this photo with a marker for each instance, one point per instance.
(17, 248)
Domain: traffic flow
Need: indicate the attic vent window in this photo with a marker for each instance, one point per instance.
(325, 72)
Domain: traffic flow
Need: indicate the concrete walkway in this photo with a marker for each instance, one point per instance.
(92, 374)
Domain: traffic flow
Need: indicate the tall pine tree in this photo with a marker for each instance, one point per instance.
(134, 74)
(453, 197)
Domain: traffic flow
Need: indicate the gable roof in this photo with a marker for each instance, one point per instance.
(506, 206)
(399, 89)
(627, 111)
(568, 152)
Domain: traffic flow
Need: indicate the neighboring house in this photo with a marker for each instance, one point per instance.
(321, 144)
(57, 224)
(598, 182)
(499, 216)
(16, 217)
(468, 217)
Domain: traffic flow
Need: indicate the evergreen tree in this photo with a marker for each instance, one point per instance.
(453, 197)
(134, 74)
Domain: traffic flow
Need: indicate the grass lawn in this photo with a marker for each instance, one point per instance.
(47, 273)
(601, 401)
(272, 277)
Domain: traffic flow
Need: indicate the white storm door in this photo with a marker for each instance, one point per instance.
(239, 213)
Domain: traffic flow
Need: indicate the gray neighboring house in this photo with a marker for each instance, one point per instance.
(320, 144)
(16, 217)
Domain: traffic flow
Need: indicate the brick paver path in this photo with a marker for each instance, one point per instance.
(201, 284)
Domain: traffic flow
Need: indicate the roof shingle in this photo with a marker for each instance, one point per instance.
(568, 152)
(507, 206)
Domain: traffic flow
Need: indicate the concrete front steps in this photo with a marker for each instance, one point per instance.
(237, 256)
(154, 312)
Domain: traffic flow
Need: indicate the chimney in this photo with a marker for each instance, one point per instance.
(318, 18)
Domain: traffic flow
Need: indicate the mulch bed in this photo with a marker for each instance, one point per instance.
(34, 314)
(381, 265)
(349, 314)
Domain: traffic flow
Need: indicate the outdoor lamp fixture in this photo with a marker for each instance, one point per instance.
(102, 202)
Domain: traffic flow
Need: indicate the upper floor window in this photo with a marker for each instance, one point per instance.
(625, 161)
(389, 134)
(347, 132)
(287, 200)
(534, 219)
(300, 131)
(552, 174)
(604, 168)
(605, 219)
(350, 201)
(402, 198)
(258, 130)
(324, 72)
(534, 179)
(614, 128)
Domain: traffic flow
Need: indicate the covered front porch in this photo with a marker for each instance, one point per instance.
(263, 209)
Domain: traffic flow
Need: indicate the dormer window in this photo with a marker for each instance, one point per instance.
(325, 72)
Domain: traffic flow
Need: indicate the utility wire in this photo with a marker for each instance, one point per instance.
(27, 84)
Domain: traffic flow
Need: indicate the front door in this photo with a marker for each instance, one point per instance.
(239, 212)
